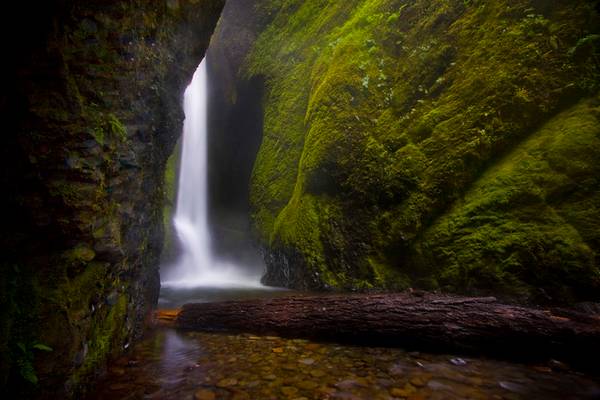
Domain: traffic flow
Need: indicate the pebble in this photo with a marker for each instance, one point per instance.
(307, 385)
(458, 362)
(204, 394)
(289, 390)
(227, 382)
(512, 387)
(406, 391)
(244, 367)
(418, 381)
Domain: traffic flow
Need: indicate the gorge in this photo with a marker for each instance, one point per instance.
(426, 147)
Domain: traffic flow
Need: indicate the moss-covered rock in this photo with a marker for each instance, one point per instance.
(382, 117)
(92, 101)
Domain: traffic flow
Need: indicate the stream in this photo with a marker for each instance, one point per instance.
(170, 364)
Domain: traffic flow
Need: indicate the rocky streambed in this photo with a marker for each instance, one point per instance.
(204, 366)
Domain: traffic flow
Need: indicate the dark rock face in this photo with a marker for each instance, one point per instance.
(92, 112)
(235, 133)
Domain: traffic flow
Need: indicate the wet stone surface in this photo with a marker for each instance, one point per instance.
(202, 366)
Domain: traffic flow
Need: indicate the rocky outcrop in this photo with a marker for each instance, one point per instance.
(235, 132)
(92, 106)
(442, 145)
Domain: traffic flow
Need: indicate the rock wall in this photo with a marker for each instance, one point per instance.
(235, 132)
(438, 144)
(92, 112)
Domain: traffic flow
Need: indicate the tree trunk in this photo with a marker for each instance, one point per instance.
(429, 322)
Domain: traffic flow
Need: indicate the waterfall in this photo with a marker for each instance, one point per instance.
(197, 266)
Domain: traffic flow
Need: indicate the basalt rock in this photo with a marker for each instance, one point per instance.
(92, 111)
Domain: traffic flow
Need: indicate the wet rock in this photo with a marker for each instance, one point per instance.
(436, 385)
(419, 381)
(458, 362)
(307, 385)
(204, 394)
(512, 387)
(558, 365)
(317, 373)
(289, 390)
(227, 382)
(277, 350)
(351, 384)
(239, 395)
(307, 361)
(406, 391)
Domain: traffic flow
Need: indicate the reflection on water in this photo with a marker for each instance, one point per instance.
(188, 365)
(175, 297)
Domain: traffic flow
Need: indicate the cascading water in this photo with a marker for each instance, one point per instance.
(197, 266)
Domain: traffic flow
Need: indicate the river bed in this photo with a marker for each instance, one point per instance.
(170, 364)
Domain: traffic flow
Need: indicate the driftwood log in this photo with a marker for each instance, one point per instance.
(427, 322)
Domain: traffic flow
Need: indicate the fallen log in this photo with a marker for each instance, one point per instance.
(428, 322)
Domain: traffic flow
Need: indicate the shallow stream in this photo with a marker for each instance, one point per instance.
(189, 365)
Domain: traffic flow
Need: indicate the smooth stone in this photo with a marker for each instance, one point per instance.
(512, 387)
(458, 362)
(289, 390)
(406, 391)
(204, 394)
(277, 350)
(435, 385)
(227, 382)
(307, 361)
(419, 381)
(351, 383)
(317, 373)
(241, 396)
(307, 385)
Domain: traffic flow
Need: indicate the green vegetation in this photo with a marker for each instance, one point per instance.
(170, 201)
(381, 115)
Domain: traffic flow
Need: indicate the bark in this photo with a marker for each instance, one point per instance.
(428, 322)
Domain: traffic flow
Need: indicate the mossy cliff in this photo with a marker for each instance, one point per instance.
(92, 111)
(438, 144)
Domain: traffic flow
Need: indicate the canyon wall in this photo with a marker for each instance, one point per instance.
(447, 145)
(92, 107)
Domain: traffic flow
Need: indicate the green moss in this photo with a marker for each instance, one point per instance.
(170, 200)
(523, 226)
(105, 333)
(388, 112)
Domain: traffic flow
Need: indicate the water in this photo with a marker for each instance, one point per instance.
(170, 364)
(175, 297)
(191, 365)
(197, 265)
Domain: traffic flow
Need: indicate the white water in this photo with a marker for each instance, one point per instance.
(198, 266)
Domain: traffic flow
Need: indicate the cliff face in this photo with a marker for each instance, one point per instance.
(439, 144)
(235, 129)
(92, 112)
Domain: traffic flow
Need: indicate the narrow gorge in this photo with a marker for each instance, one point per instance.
(289, 165)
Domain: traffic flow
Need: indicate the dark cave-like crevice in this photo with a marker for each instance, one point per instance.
(235, 126)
